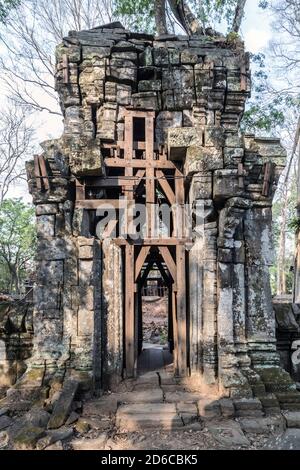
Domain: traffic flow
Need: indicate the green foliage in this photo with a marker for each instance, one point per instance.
(6, 6)
(215, 11)
(266, 111)
(294, 224)
(232, 37)
(139, 13)
(17, 244)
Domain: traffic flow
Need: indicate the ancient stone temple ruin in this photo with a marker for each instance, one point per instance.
(155, 121)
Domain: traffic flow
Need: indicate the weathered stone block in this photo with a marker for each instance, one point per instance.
(146, 100)
(164, 121)
(202, 159)
(46, 209)
(146, 57)
(180, 139)
(110, 91)
(188, 56)
(45, 225)
(123, 71)
(50, 272)
(160, 56)
(86, 252)
(85, 272)
(85, 322)
(124, 94)
(201, 186)
(63, 405)
(149, 85)
(226, 184)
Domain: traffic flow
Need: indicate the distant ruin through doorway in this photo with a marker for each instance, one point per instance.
(156, 335)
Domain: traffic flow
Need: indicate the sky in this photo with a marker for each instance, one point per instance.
(256, 32)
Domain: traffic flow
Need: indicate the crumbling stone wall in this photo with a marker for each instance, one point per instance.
(16, 334)
(198, 87)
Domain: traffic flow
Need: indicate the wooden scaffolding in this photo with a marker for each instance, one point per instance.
(138, 166)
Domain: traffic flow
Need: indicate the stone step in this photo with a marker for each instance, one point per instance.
(187, 397)
(150, 407)
(138, 417)
(288, 397)
(292, 419)
(153, 395)
(248, 407)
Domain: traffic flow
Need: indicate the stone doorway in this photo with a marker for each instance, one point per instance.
(153, 339)
(155, 319)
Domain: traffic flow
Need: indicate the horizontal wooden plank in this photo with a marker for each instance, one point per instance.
(154, 241)
(139, 113)
(112, 182)
(137, 145)
(122, 163)
(103, 203)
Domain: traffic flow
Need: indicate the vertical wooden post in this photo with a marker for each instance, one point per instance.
(181, 280)
(128, 154)
(150, 182)
(175, 329)
(129, 312)
(181, 311)
(130, 337)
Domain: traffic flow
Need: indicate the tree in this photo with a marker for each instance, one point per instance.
(6, 6)
(274, 109)
(17, 244)
(16, 144)
(28, 39)
(193, 16)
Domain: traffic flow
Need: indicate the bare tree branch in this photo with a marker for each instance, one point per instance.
(29, 39)
(16, 144)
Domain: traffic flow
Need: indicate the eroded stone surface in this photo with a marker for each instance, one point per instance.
(198, 89)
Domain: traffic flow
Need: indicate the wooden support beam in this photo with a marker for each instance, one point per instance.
(181, 311)
(41, 173)
(179, 221)
(162, 271)
(136, 145)
(139, 113)
(130, 359)
(168, 259)
(80, 190)
(121, 163)
(110, 227)
(150, 182)
(166, 187)
(37, 172)
(141, 260)
(114, 182)
(65, 60)
(154, 241)
(175, 329)
(181, 302)
(268, 177)
(94, 204)
(44, 172)
(146, 272)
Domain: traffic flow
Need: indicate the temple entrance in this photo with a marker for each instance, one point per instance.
(155, 323)
(155, 336)
(141, 209)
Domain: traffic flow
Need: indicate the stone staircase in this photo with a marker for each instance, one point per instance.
(157, 400)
